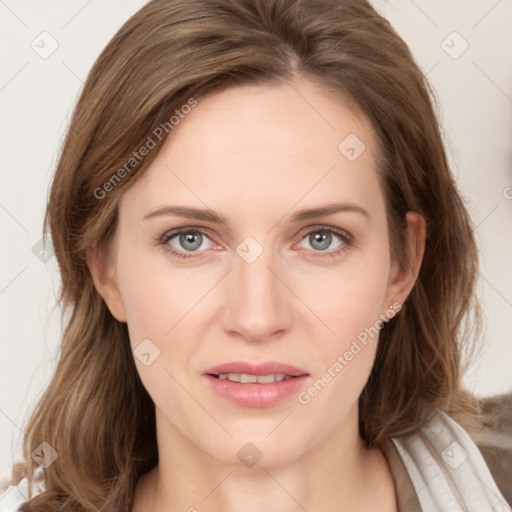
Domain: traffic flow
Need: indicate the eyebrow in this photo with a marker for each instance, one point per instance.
(214, 217)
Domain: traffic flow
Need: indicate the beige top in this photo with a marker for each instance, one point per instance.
(441, 469)
(407, 499)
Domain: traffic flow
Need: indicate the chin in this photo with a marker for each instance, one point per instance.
(253, 452)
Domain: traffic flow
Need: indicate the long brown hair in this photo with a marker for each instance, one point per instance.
(95, 413)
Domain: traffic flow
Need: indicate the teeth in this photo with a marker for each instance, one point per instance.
(245, 378)
(268, 379)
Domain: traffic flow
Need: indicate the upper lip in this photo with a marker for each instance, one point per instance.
(266, 368)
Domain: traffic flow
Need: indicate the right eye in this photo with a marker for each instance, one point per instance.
(183, 242)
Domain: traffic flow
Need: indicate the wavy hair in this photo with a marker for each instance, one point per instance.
(95, 412)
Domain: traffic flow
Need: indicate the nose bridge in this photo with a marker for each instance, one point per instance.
(257, 305)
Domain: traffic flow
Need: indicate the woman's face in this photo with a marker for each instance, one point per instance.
(259, 276)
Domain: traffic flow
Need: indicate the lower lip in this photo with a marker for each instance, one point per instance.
(256, 395)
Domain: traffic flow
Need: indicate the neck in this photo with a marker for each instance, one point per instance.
(340, 470)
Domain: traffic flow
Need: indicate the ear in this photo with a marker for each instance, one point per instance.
(105, 282)
(402, 279)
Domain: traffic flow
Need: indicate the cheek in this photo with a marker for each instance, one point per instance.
(150, 307)
(164, 317)
(350, 304)
(155, 299)
(160, 320)
(350, 299)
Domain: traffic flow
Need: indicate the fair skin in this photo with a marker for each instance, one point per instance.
(257, 155)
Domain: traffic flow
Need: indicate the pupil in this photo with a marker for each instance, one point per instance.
(188, 242)
(323, 240)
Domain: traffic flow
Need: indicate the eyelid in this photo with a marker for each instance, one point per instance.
(185, 229)
(303, 231)
(343, 233)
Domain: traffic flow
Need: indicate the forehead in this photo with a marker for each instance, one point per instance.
(271, 120)
(260, 149)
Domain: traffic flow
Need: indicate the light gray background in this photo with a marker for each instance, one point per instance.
(36, 99)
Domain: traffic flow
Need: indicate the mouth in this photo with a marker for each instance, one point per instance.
(255, 385)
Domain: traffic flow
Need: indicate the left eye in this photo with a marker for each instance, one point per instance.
(321, 239)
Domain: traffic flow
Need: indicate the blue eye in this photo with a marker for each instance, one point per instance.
(186, 242)
(322, 240)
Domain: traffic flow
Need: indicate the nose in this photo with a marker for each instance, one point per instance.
(257, 305)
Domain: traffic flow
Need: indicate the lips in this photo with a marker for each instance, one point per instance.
(255, 385)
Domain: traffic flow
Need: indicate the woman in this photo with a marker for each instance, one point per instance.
(267, 267)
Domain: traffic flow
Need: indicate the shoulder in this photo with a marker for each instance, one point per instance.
(15, 495)
(447, 469)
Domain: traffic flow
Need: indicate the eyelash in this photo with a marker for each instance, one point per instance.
(347, 241)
